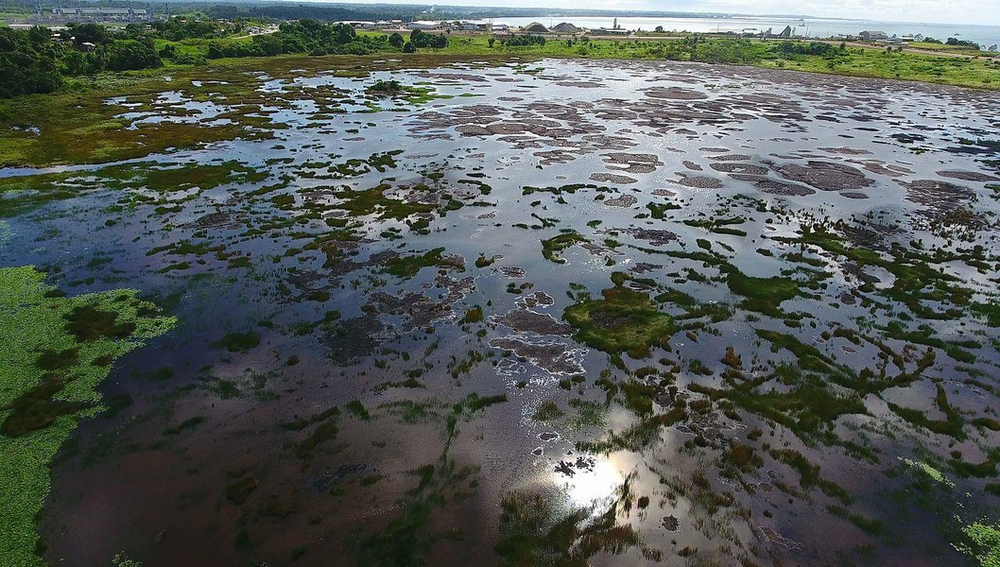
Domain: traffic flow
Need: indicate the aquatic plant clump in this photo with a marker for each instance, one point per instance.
(624, 321)
(54, 353)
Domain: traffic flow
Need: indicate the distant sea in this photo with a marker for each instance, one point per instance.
(811, 27)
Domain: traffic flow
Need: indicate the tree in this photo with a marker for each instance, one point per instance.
(8, 40)
(420, 38)
(92, 33)
(396, 40)
(491, 41)
(215, 51)
(344, 33)
(417, 38)
(659, 29)
(527, 39)
(25, 66)
(268, 44)
(409, 47)
(39, 35)
(130, 54)
(76, 63)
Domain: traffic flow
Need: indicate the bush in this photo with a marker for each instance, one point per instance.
(27, 63)
(269, 44)
(189, 59)
(961, 43)
(215, 51)
(528, 39)
(130, 55)
(799, 48)
(420, 38)
(390, 87)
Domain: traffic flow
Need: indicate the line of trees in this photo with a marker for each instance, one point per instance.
(177, 29)
(35, 61)
(318, 38)
(420, 38)
(521, 40)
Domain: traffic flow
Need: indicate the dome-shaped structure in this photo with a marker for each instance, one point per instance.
(565, 27)
(535, 27)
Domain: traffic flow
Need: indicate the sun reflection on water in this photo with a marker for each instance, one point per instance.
(596, 480)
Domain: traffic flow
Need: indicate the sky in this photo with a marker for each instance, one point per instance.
(930, 11)
(925, 11)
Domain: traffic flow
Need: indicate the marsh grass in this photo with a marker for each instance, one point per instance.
(54, 353)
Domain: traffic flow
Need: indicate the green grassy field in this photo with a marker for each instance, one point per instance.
(983, 73)
(944, 48)
(956, 71)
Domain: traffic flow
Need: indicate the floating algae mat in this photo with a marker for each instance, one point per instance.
(544, 313)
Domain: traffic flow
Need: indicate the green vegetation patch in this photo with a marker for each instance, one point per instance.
(763, 295)
(238, 342)
(54, 353)
(982, 543)
(372, 201)
(625, 320)
(917, 279)
(409, 266)
(21, 194)
(805, 397)
(538, 529)
(556, 244)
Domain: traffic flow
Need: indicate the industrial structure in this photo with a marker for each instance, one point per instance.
(59, 15)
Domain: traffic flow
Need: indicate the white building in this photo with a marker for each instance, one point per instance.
(423, 25)
(60, 14)
(610, 31)
(869, 35)
(359, 24)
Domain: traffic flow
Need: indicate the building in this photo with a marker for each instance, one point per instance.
(359, 24)
(423, 25)
(869, 35)
(98, 15)
(890, 41)
(610, 31)
(565, 27)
